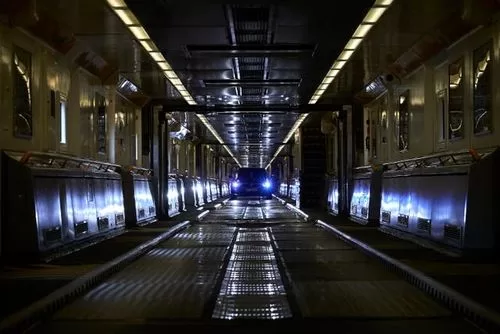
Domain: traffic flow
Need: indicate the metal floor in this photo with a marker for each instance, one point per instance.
(282, 269)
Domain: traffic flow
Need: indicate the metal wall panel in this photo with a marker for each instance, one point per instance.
(182, 193)
(49, 221)
(190, 195)
(446, 198)
(199, 192)
(172, 197)
(79, 210)
(55, 200)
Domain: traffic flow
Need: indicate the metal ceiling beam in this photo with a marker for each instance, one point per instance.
(267, 50)
(251, 83)
(214, 143)
(176, 105)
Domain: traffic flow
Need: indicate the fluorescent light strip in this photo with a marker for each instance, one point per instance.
(373, 15)
(209, 126)
(294, 128)
(130, 20)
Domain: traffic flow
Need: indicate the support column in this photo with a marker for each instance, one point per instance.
(346, 158)
(313, 159)
(198, 161)
(73, 132)
(110, 122)
(138, 138)
(165, 147)
(183, 156)
(159, 160)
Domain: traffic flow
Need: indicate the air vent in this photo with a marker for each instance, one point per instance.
(51, 235)
(102, 223)
(81, 227)
(386, 217)
(453, 232)
(141, 214)
(152, 210)
(424, 225)
(354, 209)
(403, 220)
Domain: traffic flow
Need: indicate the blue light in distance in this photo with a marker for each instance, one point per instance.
(266, 184)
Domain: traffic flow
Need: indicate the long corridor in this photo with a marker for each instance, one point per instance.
(251, 261)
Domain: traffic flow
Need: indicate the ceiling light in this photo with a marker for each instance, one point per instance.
(332, 72)
(130, 20)
(362, 30)
(353, 43)
(297, 124)
(338, 65)
(383, 2)
(327, 80)
(127, 17)
(209, 126)
(165, 66)
(157, 56)
(139, 32)
(171, 75)
(373, 15)
(147, 45)
(346, 54)
(117, 3)
(176, 82)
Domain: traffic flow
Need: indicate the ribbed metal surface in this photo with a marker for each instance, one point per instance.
(252, 286)
(252, 236)
(325, 256)
(165, 283)
(279, 213)
(365, 299)
(329, 280)
(295, 228)
(269, 212)
(306, 234)
(253, 213)
(308, 245)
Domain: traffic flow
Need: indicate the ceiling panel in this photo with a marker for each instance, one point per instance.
(258, 54)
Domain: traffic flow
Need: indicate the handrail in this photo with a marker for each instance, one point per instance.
(139, 170)
(457, 158)
(362, 169)
(49, 160)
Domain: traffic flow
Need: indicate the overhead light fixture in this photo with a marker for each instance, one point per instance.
(373, 15)
(209, 126)
(294, 128)
(128, 18)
